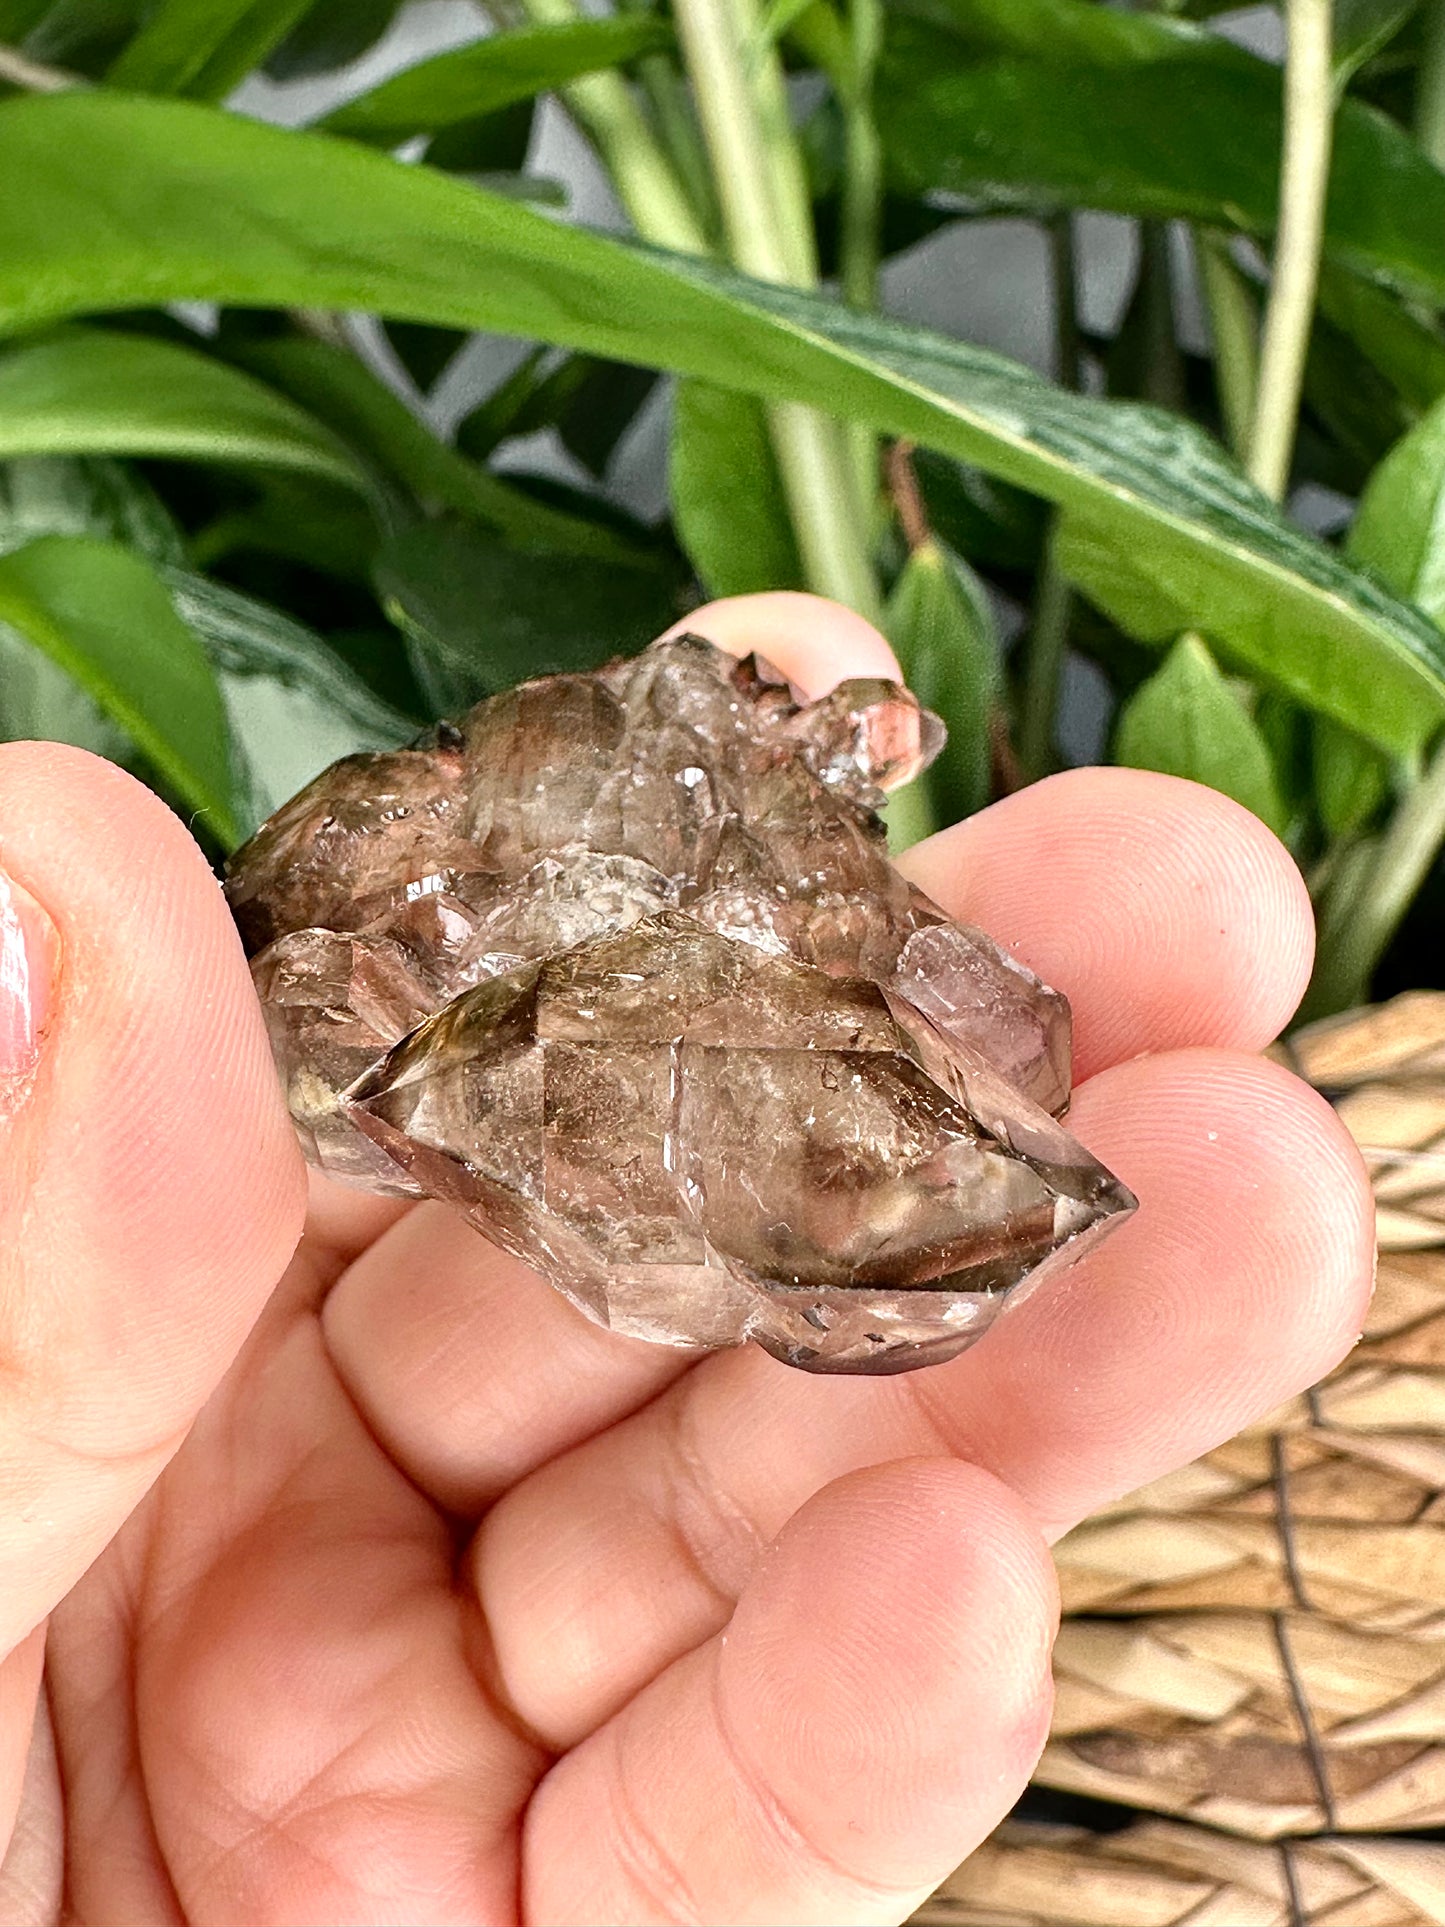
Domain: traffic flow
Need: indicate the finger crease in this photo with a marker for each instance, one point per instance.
(792, 1841)
(480, 1648)
(718, 1540)
(927, 1405)
(646, 1863)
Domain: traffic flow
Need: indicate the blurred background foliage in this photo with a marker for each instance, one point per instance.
(234, 543)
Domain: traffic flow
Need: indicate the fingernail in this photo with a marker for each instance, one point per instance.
(28, 951)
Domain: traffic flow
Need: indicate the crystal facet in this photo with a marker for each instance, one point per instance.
(619, 967)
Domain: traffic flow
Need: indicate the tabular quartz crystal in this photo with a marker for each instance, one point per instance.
(619, 967)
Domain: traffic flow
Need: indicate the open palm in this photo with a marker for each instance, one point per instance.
(397, 1592)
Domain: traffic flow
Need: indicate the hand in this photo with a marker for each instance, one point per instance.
(385, 1588)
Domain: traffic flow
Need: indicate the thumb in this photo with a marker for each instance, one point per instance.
(150, 1190)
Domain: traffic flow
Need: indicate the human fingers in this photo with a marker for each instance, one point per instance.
(875, 1706)
(1167, 914)
(153, 1191)
(436, 1333)
(1240, 1280)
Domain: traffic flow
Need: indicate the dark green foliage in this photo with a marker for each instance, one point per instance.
(228, 554)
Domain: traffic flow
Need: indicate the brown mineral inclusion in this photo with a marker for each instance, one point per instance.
(619, 967)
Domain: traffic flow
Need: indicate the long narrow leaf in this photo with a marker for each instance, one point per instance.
(85, 391)
(338, 388)
(466, 82)
(203, 48)
(292, 703)
(1062, 103)
(104, 616)
(133, 201)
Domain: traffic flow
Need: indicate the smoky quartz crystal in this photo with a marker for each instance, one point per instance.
(619, 967)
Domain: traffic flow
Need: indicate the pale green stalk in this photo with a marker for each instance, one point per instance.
(860, 244)
(909, 815)
(1053, 598)
(743, 110)
(1234, 326)
(671, 104)
(1304, 180)
(1430, 85)
(646, 182)
(767, 217)
(1364, 909)
(862, 210)
(18, 70)
(1047, 647)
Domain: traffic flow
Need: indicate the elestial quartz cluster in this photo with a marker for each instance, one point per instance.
(618, 966)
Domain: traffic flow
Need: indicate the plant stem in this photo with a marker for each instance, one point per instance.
(819, 484)
(860, 246)
(1234, 325)
(672, 111)
(1162, 375)
(1363, 912)
(907, 496)
(1430, 85)
(909, 815)
(767, 216)
(1064, 279)
(862, 209)
(1048, 641)
(18, 70)
(646, 183)
(737, 84)
(1304, 180)
(1053, 599)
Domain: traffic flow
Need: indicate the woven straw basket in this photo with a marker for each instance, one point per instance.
(1251, 1669)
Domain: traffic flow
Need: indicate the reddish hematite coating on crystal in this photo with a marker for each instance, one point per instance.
(619, 966)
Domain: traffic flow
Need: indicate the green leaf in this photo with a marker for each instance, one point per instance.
(343, 391)
(596, 402)
(1356, 404)
(330, 34)
(176, 201)
(728, 505)
(1399, 531)
(976, 516)
(467, 82)
(203, 48)
(778, 16)
(1408, 350)
(67, 495)
(104, 616)
(590, 402)
(83, 391)
(480, 616)
(82, 35)
(292, 704)
(505, 411)
(57, 495)
(1362, 28)
(1351, 779)
(1061, 103)
(424, 352)
(1151, 591)
(19, 17)
(1187, 721)
(319, 527)
(40, 703)
(940, 623)
(60, 495)
(495, 144)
